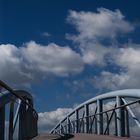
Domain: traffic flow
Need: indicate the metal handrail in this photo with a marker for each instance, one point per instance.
(5, 86)
(103, 112)
(27, 126)
(109, 95)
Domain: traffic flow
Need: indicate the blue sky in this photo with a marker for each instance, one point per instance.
(65, 52)
(22, 21)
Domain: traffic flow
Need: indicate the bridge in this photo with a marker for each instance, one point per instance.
(112, 116)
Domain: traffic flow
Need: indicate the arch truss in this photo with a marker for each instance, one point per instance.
(18, 119)
(116, 113)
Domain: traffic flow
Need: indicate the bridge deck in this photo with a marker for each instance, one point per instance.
(47, 137)
(99, 137)
(81, 137)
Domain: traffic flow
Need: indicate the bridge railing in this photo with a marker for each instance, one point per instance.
(119, 117)
(19, 121)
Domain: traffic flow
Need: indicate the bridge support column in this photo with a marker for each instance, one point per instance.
(11, 120)
(22, 122)
(2, 123)
(120, 118)
(127, 123)
(68, 126)
(86, 118)
(77, 120)
(61, 129)
(27, 122)
(99, 117)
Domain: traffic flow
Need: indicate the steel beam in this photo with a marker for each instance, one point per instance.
(16, 114)
(77, 120)
(107, 121)
(115, 122)
(120, 118)
(61, 129)
(2, 123)
(11, 119)
(132, 114)
(22, 122)
(99, 117)
(86, 118)
(27, 115)
(127, 123)
(118, 111)
(68, 125)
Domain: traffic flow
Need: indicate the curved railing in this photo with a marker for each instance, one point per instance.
(19, 121)
(113, 111)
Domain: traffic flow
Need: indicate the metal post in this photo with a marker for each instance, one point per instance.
(2, 123)
(107, 121)
(127, 123)
(118, 111)
(73, 127)
(22, 122)
(123, 125)
(120, 118)
(86, 118)
(16, 114)
(77, 121)
(11, 119)
(115, 121)
(132, 114)
(99, 117)
(68, 125)
(61, 129)
(96, 124)
(83, 125)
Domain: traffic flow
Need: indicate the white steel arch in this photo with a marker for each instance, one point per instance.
(119, 95)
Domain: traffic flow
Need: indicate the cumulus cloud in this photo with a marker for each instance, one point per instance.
(33, 62)
(128, 59)
(10, 64)
(46, 34)
(93, 30)
(109, 80)
(104, 24)
(95, 54)
(94, 27)
(48, 120)
(53, 59)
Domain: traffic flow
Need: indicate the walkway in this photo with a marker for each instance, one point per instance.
(47, 137)
(99, 137)
(82, 137)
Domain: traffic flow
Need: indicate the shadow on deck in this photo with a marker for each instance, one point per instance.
(80, 137)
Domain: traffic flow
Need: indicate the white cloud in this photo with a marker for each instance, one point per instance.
(92, 28)
(11, 64)
(128, 59)
(102, 24)
(46, 34)
(33, 62)
(94, 54)
(109, 80)
(48, 120)
(53, 59)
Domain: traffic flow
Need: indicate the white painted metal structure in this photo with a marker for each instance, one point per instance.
(122, 110)
(23, 114)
